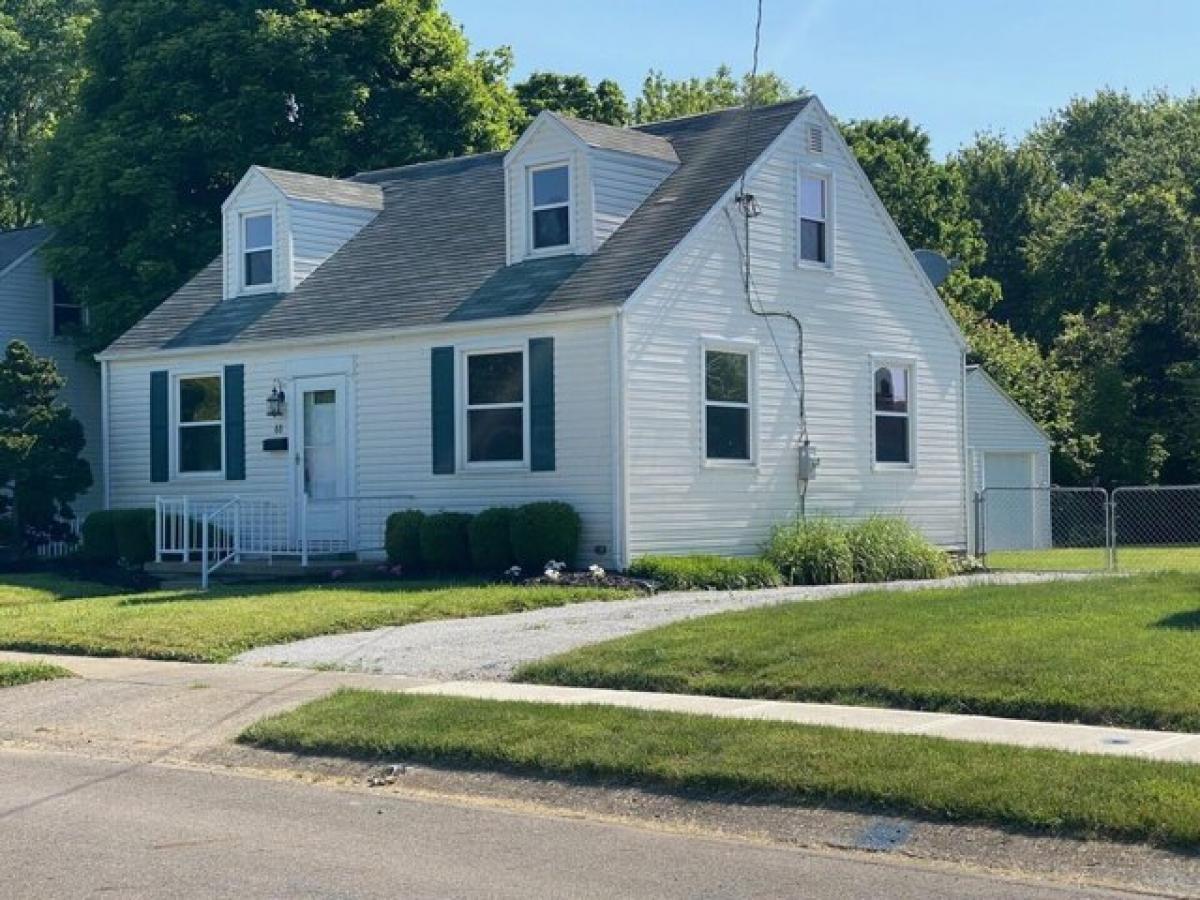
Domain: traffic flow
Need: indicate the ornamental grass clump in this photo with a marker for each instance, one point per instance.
(811, 551)
(890, 549)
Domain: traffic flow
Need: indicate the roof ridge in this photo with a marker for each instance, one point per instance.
(426, 163)
(803, 98)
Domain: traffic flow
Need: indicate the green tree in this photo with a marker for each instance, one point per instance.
(665, 98)
(181, 96)
(573, 95)
(40, 43)
(40, 443)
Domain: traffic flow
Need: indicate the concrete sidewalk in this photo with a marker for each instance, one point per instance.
(178, 708)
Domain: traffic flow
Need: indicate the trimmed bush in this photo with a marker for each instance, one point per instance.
(890, 549)
(444, 543)
(811, 551)
(119, 535)
(544, 531)
(706, 572)
(490, 539)
(402, 538)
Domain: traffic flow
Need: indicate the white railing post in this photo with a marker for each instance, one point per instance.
(204, 553)
(237, 530)
(187, 531)
(303, 529)
(158, 529)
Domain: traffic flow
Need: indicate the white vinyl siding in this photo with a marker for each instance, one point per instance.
(318, 231)
(389, 439)
(26, 313)
(874, 303)
(620, 184)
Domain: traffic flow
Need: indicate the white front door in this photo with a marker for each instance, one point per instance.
(321, 482)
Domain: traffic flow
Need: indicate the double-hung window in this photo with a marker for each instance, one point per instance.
(550, 207)
(893, 414)
(814, 218)
(495, 407)
(200, 431)
(727, 414)
(66, 314)
(258, 250)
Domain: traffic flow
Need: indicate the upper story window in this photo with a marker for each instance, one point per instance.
(495, 407)
(893, 411)
(66, 314)
(258, 250)
(200, 428)
(726, 405)
(814, 218)
(550, 207)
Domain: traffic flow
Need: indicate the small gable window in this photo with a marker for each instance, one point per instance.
(495, 409)
(814, 218)
(893, 410)
(258, 250)
(66, 314)
(200, 427)
(726, 405)
(550, 205)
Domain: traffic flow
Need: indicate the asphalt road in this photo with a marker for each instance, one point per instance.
(79, 827)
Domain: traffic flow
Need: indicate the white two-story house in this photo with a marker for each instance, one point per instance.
(567, 320)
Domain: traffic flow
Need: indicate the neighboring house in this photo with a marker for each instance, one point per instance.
(1010, 454)
(565, 320)
(35, 309)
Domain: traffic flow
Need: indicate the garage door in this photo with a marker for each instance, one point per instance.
(1010, 505)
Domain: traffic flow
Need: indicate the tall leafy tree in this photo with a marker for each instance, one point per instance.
(40, 44)
(666, 98)
(573, 95)
(40, 443)
(181, 96)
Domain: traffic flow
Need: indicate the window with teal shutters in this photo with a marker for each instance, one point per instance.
(441, 382)
(160, 426)
(235, 423)
(541, 404)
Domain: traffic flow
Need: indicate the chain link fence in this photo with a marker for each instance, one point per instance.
(1055, 529)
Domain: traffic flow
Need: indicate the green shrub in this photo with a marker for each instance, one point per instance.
(811, 551)
(490, 539)
(402, 538)
(125, 535)
(544, 531)
(444, 542)
(890, 549)
(706, 572)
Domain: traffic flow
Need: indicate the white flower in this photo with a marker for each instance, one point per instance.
(596, 571)
(556, 565)
(552, 574)
(513, 572)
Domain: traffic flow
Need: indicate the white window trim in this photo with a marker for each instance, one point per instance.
(176, 424)
(749, 350)
(464, 407)
(558, 249)
(896, 362)
(242, 216)
(84, 317)
(825, 173)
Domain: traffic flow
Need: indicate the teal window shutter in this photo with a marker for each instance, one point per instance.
(541, 404)
(441, 381)
(160, 435)
(235, 423)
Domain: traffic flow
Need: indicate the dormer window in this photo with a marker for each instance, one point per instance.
(258, 250)
(550, 206)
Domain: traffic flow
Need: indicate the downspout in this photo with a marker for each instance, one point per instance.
(105, 379)
(620, 452)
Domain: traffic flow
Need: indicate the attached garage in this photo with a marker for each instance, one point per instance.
(1009, 457)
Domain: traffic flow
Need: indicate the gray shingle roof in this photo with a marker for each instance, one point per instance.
(15, 244)
(625, 140)
(303, 186)
(436, 253)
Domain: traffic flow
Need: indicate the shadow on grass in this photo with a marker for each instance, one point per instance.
(257, 590)
(1185, 621)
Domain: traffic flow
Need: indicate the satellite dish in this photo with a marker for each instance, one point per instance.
(936, 267)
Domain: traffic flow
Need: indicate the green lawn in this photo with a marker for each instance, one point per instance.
(13, 674)
(1085, 559)
(57, 616)
(749, 760)
(1106, 651)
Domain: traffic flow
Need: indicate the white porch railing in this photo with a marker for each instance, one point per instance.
(216, 531)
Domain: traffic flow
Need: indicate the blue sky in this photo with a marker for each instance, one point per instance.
(954, 67)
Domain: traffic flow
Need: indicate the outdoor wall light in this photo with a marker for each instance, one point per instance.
(276, 401)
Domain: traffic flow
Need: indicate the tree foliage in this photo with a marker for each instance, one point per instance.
(665, 98)
(573, 95)
(40, 443)
(40, 43)
(182, 96)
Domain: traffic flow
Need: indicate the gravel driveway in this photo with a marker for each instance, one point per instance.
(491, 647)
